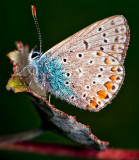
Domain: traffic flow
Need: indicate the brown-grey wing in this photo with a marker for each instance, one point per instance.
(95, 78)
(110, 35)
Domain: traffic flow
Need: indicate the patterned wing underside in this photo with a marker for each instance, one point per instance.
(110, 35)
(94, 58)
(95, 78)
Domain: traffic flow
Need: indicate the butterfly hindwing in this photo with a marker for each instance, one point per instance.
(94, 78)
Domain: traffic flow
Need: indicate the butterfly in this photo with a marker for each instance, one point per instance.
(85, 69)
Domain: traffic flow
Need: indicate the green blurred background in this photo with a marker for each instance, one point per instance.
(58, 19)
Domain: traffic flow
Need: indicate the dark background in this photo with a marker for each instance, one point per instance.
(58, 19)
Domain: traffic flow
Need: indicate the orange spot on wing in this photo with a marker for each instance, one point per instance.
(93, 103)
(108, 85)
(107, 61)
(114, 47)
(102, 94)
(95, 99)
(113, 69)
(89, 107)
(99, 53)
(113, 78)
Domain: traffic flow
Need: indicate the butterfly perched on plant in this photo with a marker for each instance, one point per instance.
(85, 69)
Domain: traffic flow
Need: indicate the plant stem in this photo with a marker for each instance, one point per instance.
(71, 151)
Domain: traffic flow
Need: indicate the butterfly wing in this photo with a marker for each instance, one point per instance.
(94, 58)
(110, 35)
(94, 78)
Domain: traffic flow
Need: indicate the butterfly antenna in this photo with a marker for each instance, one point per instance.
(37, 24)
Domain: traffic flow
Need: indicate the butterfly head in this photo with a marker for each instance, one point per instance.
(34, 56)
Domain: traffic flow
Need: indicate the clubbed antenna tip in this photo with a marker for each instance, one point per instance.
(33, 9)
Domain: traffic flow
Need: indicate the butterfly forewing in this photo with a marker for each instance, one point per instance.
(110, 35)
(93, 57)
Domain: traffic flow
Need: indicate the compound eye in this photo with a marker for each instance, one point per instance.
(34, 55)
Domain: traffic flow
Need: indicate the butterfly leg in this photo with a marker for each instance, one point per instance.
(44, 90)
(44, 86)
(49, 99)
(20, 71)
(33, 74)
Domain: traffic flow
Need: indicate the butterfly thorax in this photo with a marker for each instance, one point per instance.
(49, 72)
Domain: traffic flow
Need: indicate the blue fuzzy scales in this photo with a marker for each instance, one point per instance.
(51, 72)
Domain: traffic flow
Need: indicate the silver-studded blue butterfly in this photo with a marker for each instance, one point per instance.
(87, 68)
